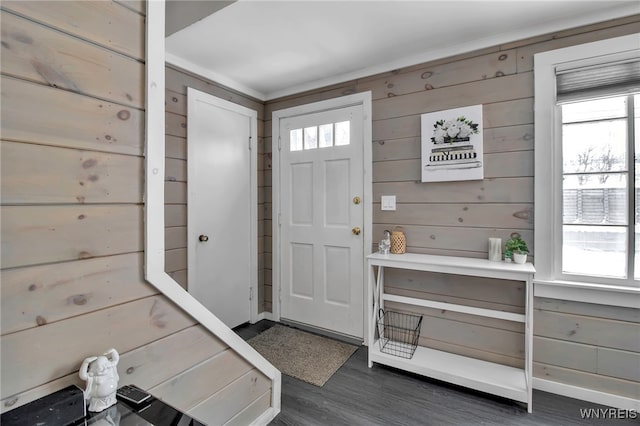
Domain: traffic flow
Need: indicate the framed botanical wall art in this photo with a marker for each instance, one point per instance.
(452, 145)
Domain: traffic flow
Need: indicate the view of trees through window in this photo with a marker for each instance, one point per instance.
(600, 186)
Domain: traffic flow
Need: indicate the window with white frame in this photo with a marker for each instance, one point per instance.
(587, 164)
(600, 187)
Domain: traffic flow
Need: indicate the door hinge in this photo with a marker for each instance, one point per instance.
(250, 293)
(249, 143)
(279, 219)
(279, 143)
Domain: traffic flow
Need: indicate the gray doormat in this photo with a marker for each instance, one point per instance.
(302, 355)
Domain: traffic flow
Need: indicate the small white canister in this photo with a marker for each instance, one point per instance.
(495, 249)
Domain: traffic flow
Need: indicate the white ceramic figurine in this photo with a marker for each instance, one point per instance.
(101, 375)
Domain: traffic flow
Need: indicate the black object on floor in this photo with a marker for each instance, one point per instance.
(62, 407)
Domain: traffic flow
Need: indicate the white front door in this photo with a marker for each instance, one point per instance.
(222, 203)
(322, 218)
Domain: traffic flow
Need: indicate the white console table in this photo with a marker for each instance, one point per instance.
(497, 379)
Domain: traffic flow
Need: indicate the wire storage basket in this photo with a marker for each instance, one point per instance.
(398, 333)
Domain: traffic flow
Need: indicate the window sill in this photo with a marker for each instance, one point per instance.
(601, 294)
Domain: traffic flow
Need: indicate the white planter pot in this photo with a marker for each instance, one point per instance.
(519, 257)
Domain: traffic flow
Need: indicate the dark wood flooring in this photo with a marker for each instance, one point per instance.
(358, 395)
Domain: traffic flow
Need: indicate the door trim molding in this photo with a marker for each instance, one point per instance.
(363, 99)
(193, 96)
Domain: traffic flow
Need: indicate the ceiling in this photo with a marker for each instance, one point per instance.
(268, 49)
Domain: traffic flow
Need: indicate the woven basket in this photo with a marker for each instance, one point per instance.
(398, 241)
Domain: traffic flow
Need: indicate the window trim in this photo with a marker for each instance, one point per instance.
(548, 174)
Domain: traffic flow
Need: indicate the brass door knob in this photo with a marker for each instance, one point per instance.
(356, 200)
(356, 231)
(203, 238)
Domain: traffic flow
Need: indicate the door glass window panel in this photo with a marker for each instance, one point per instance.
(326, 135)
(295, 140)
(323, 136)
(310, 137)
(343, 133)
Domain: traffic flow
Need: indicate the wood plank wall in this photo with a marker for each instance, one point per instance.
(177, 82)
(456, 218)
(72, 97)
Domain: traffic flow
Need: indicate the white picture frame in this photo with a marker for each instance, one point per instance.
(451, 145)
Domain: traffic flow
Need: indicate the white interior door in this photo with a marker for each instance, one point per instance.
(222, 221)
(321, 239)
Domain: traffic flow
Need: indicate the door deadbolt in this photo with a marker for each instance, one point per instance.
(356, 200)
(356, 231)
(203, 238)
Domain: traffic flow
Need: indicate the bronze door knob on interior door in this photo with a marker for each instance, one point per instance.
(203, 238)
(356, 231)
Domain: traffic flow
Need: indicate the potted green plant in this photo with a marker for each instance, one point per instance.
(516, 249)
